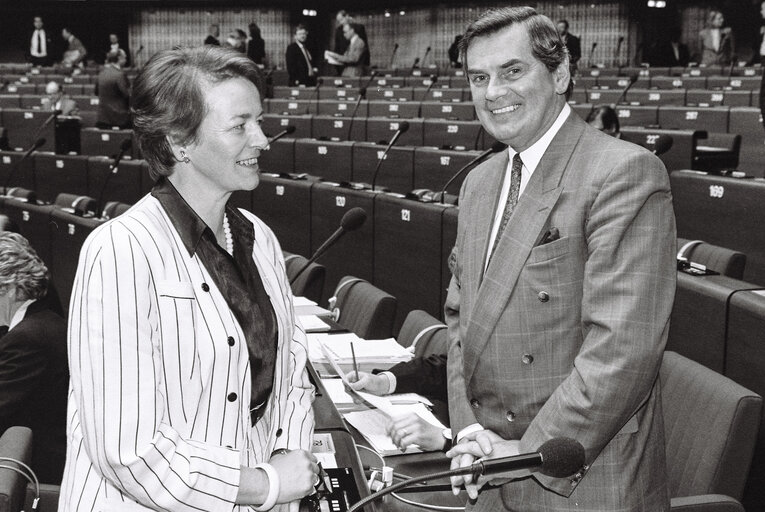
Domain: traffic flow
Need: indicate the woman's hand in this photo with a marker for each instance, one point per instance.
(411, 429)
(298, 472)
(375, 384)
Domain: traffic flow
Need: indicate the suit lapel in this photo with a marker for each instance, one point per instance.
(520, 235)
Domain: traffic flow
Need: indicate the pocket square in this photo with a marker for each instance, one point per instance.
(550, 235)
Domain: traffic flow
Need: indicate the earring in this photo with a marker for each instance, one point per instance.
(185, 157)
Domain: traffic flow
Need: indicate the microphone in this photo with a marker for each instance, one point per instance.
(47, 121)
(37, 144)
(662, 144)
(287, 130)
(319, 81)
(427, 52)
(559, 457)
(592, 50)
(362, 95)
(402, 128)
(633, 79)
(733, 59)
(113, 169)
(351, 221)
(393, 55)
(135, 56)
(416, 61)
(618, 47)
(433, 79)
(495, 148)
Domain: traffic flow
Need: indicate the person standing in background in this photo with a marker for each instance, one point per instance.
(39, 45)
(300, 66)
(116, 46)
(256, 46)
(573, 44)
(717, 43)
(213, 33)
(113, 90)
(353, 58)
(75, 53)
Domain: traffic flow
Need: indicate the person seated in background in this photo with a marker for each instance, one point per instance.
(423, 375)
(34, 375)
(75, 53)
(604, 118)
(55, 99)
(113, 90)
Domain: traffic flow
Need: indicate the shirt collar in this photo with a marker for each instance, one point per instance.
(20, 313)
(189, 225)
(534, 153)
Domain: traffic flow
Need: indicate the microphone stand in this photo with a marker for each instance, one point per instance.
(416, 61)
(592, 51)
(616, 52)
(113, 169)
(433, 79)
(393, 56)
(362, 94)
(403, 127)
(12, 170)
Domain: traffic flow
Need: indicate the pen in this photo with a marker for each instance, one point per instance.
(355, 365)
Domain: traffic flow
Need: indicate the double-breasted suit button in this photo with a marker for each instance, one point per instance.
(205, 287)
(231, 397)
(543, 296)
(230, 341)
(475, 404)
(527, 359)
(510, 416)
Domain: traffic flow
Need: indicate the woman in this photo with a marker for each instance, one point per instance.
(34, 378)
(189, 388)
(716, 42)
(256, 47)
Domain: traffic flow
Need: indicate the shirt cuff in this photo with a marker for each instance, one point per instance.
(391, 382)
(470, 429)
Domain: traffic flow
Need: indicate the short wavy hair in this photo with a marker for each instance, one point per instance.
(168, 97)
(20, 266)
(546, 44)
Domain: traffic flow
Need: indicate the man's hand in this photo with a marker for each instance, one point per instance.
(375, 384)
(411, 429)
(475, 446)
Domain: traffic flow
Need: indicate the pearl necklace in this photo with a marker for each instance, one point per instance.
(227, 233)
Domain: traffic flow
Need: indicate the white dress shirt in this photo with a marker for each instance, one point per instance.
(39, 46)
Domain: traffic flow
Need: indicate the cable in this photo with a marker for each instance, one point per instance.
(425, 505)
(31, 479)
(382, 460)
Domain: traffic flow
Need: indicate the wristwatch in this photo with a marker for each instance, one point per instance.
(447, 433)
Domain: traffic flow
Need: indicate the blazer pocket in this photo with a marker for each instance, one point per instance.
(175, 289)
(550, 250)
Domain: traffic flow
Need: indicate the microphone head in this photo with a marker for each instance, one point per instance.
(417, 60)
(363, 91)
(57, 112)
(433, 79)
(39, 142)
(319, 81)
(374, 71)
(395, 46)
(126, 144)
(621, 38)
(561, 457)
(498, 146)
(403, 126)
(594, 45)
(353, 219)
(663, 144)
(289, 129)
(427, 49)
(634, 78)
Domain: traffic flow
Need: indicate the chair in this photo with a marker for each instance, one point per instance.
(424, 332)
(15, 443)
(311, 282)
(710, 427)
(363, 309)
(720, 259)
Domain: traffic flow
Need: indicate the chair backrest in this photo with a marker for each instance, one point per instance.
(311, 282)
(426, 332)
(720, 259)
(710, 427)
(365, 309)
(15, 443)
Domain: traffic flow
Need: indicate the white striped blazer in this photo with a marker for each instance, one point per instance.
(158, 415)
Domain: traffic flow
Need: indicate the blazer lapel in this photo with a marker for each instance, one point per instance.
(520, 235)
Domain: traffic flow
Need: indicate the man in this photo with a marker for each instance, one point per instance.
(116, 46)
(55, 99)
(75, 52)
(572, 43)
(353, 58)
(39, 44)
(557, 329)
(113, 90)
(300, 66)
(34, 374)
(213, 33)
(341, 42)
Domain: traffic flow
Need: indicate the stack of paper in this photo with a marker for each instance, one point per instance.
(368, 352)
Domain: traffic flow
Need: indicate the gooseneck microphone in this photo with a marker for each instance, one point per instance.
(416, 62)
(287, 130)
(53, 115)
(427, 52)
(315, 93)
(592, 51)
(633, 79)
(559, 457)
(662, 144)
(402, 128)
(617, 50)
(362, 95)
(393, 55)
(433, 80)
(495, 148)
(35, 146)
(351, 221)
(113, 169)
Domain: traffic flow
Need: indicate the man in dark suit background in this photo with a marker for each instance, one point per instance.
(572, 43)
(34, 375)
(300, 65)
(40, 45)
(113, 90)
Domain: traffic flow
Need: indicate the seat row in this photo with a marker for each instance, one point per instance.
(679, 97)
(653, 81)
